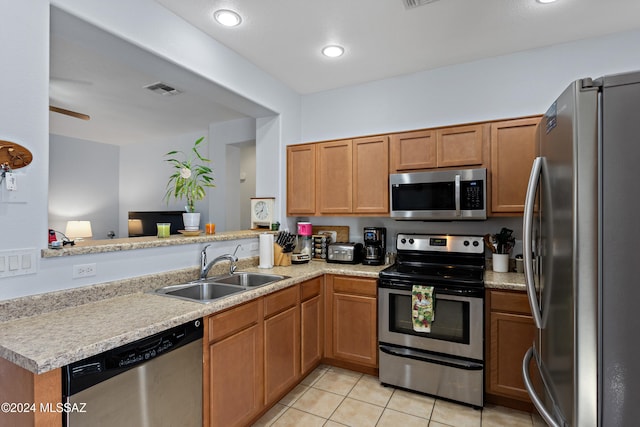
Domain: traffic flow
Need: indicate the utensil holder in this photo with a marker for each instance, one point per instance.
(280, 258)
(501, 263)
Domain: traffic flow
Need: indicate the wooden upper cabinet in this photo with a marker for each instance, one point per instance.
(335, 180)
(461, 146)
(301, 179)
(371, 175)
(413, 151)
(513, 149)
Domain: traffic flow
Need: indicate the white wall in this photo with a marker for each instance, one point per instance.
(515, 85)
(83, 184)
(24, 45)
(144, 174)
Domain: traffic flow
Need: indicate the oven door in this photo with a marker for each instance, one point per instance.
(456, 331)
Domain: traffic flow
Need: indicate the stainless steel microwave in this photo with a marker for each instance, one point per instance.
(439, 195)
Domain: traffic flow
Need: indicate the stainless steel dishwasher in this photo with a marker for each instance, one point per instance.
(156, 381)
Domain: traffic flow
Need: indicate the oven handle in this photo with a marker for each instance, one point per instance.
(432, 358)
(440, 293)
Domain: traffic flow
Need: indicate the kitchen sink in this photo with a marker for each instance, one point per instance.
(249, 280)
(207, 290)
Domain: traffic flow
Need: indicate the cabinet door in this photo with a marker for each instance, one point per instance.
(311, 337)
(371, 175)
(351, 322)
(235, 378)
(461, 146)
(354, 326)
(335, 177)
(511, 337)
(301, 179)
(513, 149)
(413, 151)
(282, 353)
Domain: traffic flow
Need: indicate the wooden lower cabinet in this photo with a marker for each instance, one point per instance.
(311, 325)
(281, 343)
(21, 386)
(510, 332)
(233, 374)
(351, 322)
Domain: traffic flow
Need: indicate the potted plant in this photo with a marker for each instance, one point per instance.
(189, 181)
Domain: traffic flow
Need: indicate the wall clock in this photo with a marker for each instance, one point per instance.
(262, 211)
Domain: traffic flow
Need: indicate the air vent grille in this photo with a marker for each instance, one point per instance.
(162, 89)
(410, 4)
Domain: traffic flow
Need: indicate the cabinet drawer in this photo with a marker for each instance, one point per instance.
(513, 302)
(310, 288)
(281, 300)
(355, 285)
(233, 320)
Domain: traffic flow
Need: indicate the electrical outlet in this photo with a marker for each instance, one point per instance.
(253, 246)
(84, 270)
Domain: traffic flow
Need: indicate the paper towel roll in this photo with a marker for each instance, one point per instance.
(266, 250)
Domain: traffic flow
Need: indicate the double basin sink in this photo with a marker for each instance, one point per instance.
(210, 289)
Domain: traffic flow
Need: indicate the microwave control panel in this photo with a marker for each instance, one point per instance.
(471, 195)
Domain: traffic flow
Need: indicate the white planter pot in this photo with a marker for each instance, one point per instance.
(191, 221)
(501, 263)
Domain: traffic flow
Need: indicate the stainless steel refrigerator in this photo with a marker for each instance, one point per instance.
(581, 238)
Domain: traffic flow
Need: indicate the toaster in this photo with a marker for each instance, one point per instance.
(345, 253)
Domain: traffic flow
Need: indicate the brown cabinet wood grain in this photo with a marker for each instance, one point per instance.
(371, 175)
(455, 146)
(301, 179)
(281, 353)
(335, 177)
(351, 321)
(311, 324)
(461, 146)
(411, 151)
(510, 332)
(513, 149)
(233, 367)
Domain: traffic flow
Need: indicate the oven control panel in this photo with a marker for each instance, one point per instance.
(440, 243)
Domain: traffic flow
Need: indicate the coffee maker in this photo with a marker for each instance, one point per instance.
(375, 245)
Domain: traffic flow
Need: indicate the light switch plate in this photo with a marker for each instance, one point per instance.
(18, 262)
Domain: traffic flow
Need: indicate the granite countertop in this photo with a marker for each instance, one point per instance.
(48, 340)
(508, 281)
(60, 328)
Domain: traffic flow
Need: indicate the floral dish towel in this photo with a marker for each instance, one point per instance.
(422, 308)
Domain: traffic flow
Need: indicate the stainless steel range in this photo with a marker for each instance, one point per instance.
(445, 356)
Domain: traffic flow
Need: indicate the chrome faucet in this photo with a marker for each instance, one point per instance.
(204, 267)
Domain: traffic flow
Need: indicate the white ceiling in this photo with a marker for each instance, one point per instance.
(383, 39)
(95, 73)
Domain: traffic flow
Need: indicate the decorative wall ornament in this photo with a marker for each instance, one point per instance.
(14, 155)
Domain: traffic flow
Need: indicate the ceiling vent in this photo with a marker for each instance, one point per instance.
(410, 4)
(162, 89)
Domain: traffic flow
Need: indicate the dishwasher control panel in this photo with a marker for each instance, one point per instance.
(84, 373)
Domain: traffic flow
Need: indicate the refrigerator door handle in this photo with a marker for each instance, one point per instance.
(537, 402)
(527, 243)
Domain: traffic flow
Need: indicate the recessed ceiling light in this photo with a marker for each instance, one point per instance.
(545, 1)
(226, 17)
(332, 51)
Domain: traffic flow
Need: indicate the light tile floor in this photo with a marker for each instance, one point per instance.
(331, 396)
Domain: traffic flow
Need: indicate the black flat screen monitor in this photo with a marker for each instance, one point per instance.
(144, 223)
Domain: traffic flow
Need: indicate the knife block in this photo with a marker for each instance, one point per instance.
(280, 258)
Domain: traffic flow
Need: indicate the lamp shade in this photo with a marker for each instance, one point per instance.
(78, 230)
(135, 227)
